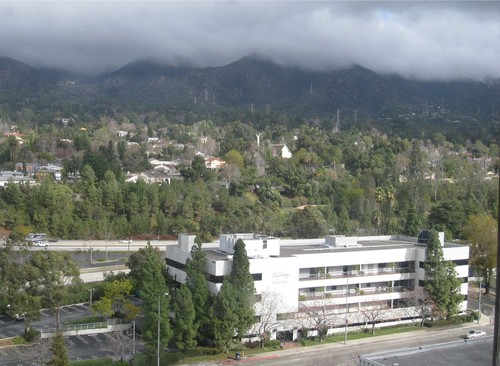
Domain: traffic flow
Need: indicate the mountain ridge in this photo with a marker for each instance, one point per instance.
(252, 82)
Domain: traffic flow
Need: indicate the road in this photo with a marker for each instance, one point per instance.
(102, 245)
(340, 354)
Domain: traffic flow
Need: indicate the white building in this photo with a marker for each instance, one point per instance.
(306, 278)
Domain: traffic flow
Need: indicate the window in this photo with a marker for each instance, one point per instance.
(215, 279)
(421, 264)
(421, 283)
(257, 276)
(264, 244)
(258, 297)
(461, 262)
(284, 316)
(174, 264)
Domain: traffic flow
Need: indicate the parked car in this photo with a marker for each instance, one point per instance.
(126, 241)
(475, 334)
(41, 243)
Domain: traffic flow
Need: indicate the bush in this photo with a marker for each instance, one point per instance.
(201, 351)
(275, 343)
(32, 334)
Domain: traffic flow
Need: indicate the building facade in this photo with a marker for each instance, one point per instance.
(327, 282)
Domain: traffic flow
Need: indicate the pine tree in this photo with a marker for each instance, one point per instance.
(59, 353)
(442, 285)
(226, 315)
(155, 294)
(242, 281)
(184, 325)
(413, 222)
(196, 282)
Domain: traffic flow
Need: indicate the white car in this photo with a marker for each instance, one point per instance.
(126, 241)
(475, 334)
(41, 243)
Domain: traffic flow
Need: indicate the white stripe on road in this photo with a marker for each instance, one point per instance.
(69, 341)
(83, 339)
(96, 337)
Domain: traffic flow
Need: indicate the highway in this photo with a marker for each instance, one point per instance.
(103, 245)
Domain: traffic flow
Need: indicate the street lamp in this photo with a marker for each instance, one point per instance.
(479, 302)
(346, 311)
(133, 337)
(90, 290)
(158, 350)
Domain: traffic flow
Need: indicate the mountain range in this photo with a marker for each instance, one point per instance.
(251, 83)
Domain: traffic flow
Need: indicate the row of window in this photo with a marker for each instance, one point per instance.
(210, 277)
(457, 262)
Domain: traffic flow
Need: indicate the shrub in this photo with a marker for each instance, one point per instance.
(32, 334)
(275, 343)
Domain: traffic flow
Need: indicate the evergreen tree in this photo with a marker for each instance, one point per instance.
(184, 326)
(344, 223)
(242, 281)
(441, 284)
(196, 282)
(59, 353)
(413, 223)
(309, 223)
(155, 295)
(226, 315)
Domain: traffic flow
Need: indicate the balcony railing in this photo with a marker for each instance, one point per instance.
(352, 293)
(353, 273)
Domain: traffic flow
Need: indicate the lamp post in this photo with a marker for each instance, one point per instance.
(90, 300)
(133, 337)
(346, 311)
(158, 350)
(479, 302)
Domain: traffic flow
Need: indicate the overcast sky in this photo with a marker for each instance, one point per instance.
(424, 40)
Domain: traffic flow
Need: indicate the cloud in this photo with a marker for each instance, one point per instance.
(424, 40)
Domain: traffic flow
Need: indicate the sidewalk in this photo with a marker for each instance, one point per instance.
(485, 320)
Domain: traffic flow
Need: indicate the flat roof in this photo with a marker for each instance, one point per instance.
(464, 353)
(362, 245)
(292, 247)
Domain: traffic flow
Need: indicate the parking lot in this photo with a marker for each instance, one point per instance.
(82, 347)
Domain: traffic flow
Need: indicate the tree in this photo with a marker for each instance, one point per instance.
(197, 284)
(115, 299)
(241, 279)
(344, 223)
(234, 157)
(308, 223)
(121, 343)
(481, 232)
(59, 353)
(449, 216)
(18, 282)
(226, 318)
(154, 291)
(418, 304)
(319, 317)
(267, 308)
(184, 326)
(374, 313)
(58, 276)
(413, 223)
(441, 283)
